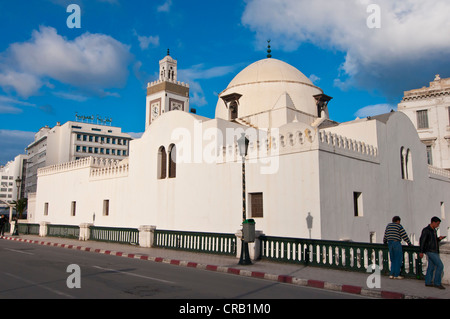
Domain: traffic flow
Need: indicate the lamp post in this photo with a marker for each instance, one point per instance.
(243, 143)
(18, 184)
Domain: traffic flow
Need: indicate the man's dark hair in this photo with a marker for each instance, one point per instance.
(435, 220)
(396, 219)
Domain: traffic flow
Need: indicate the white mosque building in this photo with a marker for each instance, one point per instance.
(306, 175)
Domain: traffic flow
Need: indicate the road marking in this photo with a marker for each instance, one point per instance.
(135, 275)
(41, 286)
(18, 251)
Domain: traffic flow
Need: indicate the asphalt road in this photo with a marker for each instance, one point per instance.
(29, 271)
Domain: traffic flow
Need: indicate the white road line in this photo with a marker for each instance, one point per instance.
(135, 275)
(41, 286)
(18, 251)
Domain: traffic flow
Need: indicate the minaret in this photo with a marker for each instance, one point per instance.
(167, 93)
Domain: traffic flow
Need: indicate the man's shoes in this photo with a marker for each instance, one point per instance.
(391, 277)
(440, 287)
(399, 277)
(429, 285)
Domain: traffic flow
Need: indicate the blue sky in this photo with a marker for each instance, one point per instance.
(48, 72)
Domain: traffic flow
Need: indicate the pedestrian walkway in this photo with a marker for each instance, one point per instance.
(343, 281)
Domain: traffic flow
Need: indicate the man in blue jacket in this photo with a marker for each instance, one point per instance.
(429, 245)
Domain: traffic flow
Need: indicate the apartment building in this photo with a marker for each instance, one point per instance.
(70, 142)
(429, 110)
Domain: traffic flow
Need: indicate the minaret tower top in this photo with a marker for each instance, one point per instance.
(168, 68)
(167, 93)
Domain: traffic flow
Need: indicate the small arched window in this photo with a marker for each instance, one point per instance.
(403, 162)
(172, 161)
(162, 163)
(409, 166)
(406, 163)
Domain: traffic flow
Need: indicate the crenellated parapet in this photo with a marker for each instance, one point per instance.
(345, 146)
(99, 167)
(436, 171)
(66, 167)
(297, 141)
(150, 84)
(112, 170)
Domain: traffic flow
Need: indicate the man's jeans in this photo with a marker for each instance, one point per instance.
(396, 254)
(435, 266)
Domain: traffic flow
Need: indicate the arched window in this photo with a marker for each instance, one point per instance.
(162, 163)
(409, 166)
(406, 163)
(172, 161)
(403, 162)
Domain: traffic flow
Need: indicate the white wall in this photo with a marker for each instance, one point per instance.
(311, 178)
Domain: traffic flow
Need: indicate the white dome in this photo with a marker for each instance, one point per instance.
(263, 83)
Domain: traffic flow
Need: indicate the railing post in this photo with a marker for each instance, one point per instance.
(43, 229)
(253, 248)
(146, 236)
(238, 240)
(445, 256)
(85, 231)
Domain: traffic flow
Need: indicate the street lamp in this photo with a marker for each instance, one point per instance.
(18, 184)
(243, 143)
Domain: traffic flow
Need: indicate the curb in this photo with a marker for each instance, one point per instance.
(356, 290)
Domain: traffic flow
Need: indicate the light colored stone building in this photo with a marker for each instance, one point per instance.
(70, 142)
(429, 111)
(10, 173)
(306, 175)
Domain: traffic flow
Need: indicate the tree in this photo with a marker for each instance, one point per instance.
(21, 206)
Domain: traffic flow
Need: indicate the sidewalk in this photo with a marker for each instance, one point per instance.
(329, 279)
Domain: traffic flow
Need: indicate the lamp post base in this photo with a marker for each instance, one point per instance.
(245, 255)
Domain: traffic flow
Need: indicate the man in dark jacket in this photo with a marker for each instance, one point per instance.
(429, 245)
(3, 222)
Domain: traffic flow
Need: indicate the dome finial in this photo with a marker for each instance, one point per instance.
(168, 52)
(269, 51)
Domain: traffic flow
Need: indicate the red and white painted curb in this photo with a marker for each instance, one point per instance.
(235, 271)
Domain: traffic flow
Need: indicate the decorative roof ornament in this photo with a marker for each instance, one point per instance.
(269, 51)
(168, 52)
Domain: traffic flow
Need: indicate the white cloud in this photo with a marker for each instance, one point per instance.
(314, 78)
(23, 83)
(373, 110)
(9, 109)
(13, 143)
(91, 62)
(199, 71)
(136, 135)
(195, 74)
(165, 7)
(145, 41)
(411, 45)
(9, 105)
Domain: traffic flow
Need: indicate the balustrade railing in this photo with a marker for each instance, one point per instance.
(211, 243)
(64, 231)
(338, 255)
(29, 229)
(115, 235)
